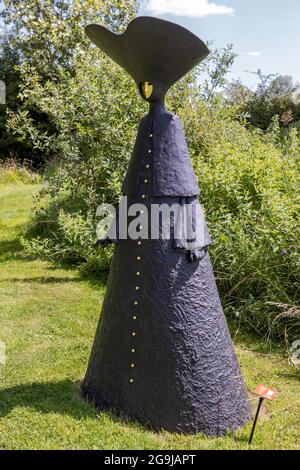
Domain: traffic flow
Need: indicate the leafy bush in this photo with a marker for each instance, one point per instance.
(250, 189)
(42, 40)
(275, 95)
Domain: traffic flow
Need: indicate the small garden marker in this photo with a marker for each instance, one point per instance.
(263, 392)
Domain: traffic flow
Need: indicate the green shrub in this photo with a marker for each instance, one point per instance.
(250, 190)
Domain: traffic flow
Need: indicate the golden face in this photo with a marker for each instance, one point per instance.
(147, 89)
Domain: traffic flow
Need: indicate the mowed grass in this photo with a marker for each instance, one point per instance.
(48, 316)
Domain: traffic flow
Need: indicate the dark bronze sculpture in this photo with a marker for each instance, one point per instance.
(162, 352)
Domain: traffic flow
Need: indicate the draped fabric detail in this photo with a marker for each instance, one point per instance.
(192, 235)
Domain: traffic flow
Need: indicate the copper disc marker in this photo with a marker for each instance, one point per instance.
(263, 392)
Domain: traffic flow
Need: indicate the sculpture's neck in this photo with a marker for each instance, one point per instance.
(157, 108)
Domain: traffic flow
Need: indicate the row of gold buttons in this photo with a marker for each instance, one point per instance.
(134, 317)
(137, 288)
(147, 167)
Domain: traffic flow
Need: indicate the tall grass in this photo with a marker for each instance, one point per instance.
(14, 172)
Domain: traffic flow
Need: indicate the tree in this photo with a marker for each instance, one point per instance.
(274, 96)
(236, 93)
(46, 41)
(47, 33)
(9, 60)
(215, 70)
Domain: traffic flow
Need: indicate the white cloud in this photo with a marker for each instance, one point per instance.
(255, 53)
(195, 8)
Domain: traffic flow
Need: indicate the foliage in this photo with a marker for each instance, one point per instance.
(9, 144)
(249, 186)
(48, 32)
(275, 95)
(215, 70)
(44, 40)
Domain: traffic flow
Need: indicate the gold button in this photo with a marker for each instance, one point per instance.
(134, 334)
(135, 303)
(145, 181)
(134, 317)
(133, 350)
(131, 365)
(131, 381)
(138, 258)
(136, 287)
(138, 273)
(147, 166)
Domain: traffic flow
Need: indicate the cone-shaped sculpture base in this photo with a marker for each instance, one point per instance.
(163, 353)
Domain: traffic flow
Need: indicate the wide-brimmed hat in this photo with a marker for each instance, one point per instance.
(151, 49)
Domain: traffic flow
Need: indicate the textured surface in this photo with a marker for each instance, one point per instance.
(185, 376)
(172, 171)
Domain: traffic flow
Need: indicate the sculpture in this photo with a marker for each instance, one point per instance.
(162, 352)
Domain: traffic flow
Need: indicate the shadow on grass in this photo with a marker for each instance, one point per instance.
(43, 280)
(48, 397)
(11, 250)
(63, 398)
(96, 280)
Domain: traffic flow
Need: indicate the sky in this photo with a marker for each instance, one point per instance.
(265, 33)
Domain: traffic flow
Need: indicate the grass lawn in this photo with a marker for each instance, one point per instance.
(48, 316)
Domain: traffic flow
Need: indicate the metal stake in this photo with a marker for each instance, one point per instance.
(261, 399)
